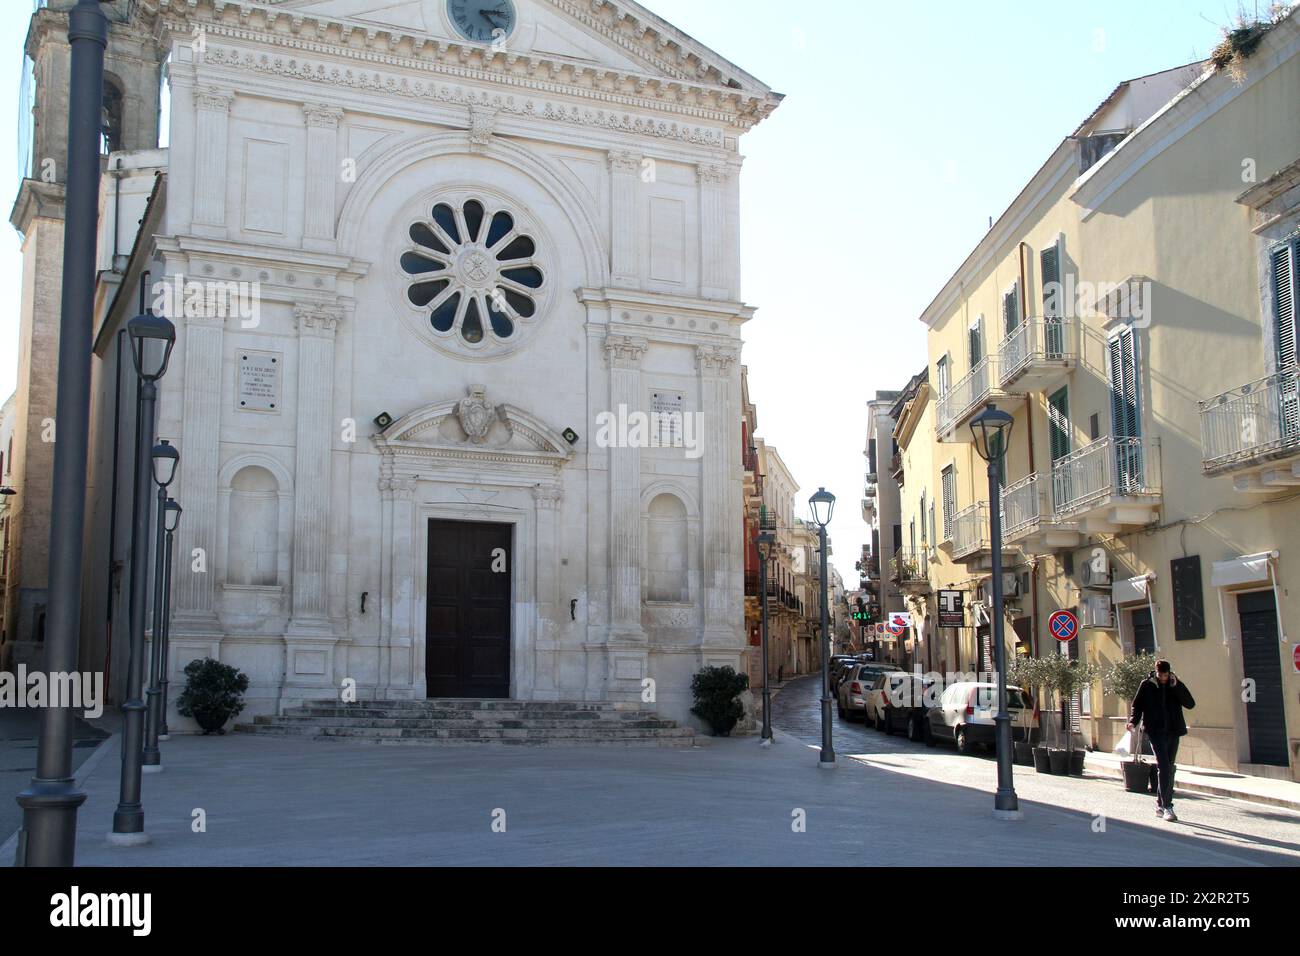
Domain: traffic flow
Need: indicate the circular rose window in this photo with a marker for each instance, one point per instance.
(474, 272)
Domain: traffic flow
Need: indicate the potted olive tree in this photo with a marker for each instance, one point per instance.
(213, 694)
(1064, 677)
(1023, 673)
(1123, 680)
(716, 691)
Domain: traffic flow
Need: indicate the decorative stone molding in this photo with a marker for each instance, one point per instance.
(320, 116)
(625, 351)
(625, 161)
(714, 359)
(397, 489)
(482, 126)
(477, 415)
(213, 98)
(318, 320)
(548, 497)
(712, 174)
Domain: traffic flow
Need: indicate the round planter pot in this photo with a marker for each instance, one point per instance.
(1076, 763)
(1060, 762)
(1024, 754)
(1042, 760)
(209, 722)
(1137, 776)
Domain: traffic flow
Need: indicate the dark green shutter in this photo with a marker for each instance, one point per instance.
(1050, 270)
(1058, 417)
(949, 500)
(1011, 311)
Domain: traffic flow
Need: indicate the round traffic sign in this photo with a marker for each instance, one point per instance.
(1295, 658)
(1064, 626)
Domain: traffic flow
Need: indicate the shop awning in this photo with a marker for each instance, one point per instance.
(1249, 569)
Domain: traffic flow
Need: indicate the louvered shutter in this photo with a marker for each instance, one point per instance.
(1125, 412)
(1053, 302)
(977, 342)
(1284, 295)
(1011, 311)
(949, 501)
(1058, 415)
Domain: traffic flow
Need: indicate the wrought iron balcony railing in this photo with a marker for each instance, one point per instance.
(962, 399)
(1107, 469)
(1253, 423)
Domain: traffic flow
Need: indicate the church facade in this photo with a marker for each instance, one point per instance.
(456, 383)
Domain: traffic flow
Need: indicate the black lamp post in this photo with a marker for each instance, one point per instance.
(152, 338)
(765, 542)
(165, 458)
(823, 506)
(173, 512)
(49, 832)
(991, 429)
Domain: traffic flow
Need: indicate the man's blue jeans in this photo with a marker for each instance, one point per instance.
(1165, 747)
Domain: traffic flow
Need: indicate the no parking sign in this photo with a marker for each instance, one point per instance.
(1064, 626)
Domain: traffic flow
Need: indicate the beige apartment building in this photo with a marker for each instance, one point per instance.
(1134, 310)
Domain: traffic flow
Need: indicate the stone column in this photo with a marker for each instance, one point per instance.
(720, 546)
(194, 591)
(548, 499)
(713, 231)
(398, 658)
(322, 175)
(624, 354)
(625, 170)
(210, 147)
(316, 329)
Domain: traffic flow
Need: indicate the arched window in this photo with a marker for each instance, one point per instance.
(110, 139)
(667, 551)
(253, 551)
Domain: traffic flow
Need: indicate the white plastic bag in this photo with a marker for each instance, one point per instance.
(1125, 745)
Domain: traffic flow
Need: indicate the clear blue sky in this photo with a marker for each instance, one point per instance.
(906, 126)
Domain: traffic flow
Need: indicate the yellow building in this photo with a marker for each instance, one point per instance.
(1134, 310)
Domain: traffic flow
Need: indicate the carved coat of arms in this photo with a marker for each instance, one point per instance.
(477, 415)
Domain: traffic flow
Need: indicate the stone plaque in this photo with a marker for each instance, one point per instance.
(259, 381)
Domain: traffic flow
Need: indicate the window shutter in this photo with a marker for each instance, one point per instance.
(1284, 302)
(949, 501)
(976, 343)
(934, 527)
(924, 538)
(1050, 272)
(1058, 415)
(1011, 310)
(1123, 386)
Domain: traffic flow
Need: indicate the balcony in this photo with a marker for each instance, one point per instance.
(910, 570)
(1107, 486)
(751, 584)
(970, 540)
(869, 510)
(1253, 434)
(966, 398)
(1029, 522)
(1038, 354)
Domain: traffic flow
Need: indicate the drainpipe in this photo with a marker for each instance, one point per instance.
(1033, 465)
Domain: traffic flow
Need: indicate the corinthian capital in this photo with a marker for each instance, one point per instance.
(213, 98)
(320, 116)
(316, 319)
(625, 351)
(625, 161)
(715, 359)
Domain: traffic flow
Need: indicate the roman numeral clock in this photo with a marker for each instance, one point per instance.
(483, 21)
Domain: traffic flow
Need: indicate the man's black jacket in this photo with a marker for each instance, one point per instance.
(1160, 706)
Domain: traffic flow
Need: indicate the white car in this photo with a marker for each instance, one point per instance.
(966, 711)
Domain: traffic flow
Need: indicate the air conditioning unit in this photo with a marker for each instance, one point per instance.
(1090, 576)
(1011, 585)
(1097, 612)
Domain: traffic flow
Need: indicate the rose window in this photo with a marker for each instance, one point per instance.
(474, 271)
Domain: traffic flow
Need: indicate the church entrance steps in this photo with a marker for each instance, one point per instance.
(451, 722)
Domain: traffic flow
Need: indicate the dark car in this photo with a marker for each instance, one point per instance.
(899, 702)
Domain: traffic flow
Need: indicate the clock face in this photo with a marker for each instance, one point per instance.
(483, 21)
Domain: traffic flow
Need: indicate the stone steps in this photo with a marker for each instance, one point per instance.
(469, 722)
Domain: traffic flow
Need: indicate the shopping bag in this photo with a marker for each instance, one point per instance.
(1125, 746)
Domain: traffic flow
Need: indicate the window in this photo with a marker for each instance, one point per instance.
(949, 500)
(943, 378)
(924, 538)
(977, 342)
(473, 270)
(1124, 388)
(1011, 309)
(1058, 424)
(1093, 149)
(1049, 261)
(934, 529)
(898, 538)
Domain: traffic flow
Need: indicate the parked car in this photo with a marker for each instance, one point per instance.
(839, 669)
(965, 715)
(851, 695)
(897, 701)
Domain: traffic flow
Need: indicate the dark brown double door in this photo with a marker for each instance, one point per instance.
(467, 625)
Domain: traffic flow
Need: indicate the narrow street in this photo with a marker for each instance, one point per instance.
(796, 712)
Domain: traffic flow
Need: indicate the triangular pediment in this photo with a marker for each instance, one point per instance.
(613, 35)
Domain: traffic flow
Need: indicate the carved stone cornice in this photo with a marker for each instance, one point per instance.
(397, 489)
(317, 320)
(320, 116)
(213, 98)
(712, 174)
(715, 359)
(625, 351)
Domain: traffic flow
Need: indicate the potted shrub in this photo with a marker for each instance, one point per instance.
(213, 694)
(716, 690)
(1082, 676)
(1064, 677)
(1022, 673)
(1123, 680)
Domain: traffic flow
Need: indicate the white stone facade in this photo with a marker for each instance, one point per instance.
(313, 147)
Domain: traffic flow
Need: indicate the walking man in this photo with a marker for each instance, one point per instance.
(1158, 706)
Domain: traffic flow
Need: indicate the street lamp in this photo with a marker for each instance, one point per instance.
(165, 458)
(152, 338)
(823, 506)
(49, 833)
(991, 429)
(173, 519)
(765, 542)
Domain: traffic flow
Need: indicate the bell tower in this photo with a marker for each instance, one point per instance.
(132, 68)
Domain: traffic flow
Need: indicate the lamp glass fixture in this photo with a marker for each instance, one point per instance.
(165, 458)
(172, 511)
(985, 428)
(823, 507)
(765, 542)
(146, 330)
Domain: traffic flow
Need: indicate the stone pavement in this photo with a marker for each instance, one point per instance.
(1219, 783)
(286, 802)
(19, 729)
